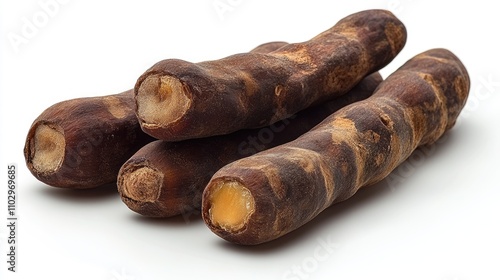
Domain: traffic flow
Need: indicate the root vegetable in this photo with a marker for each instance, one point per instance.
(178, 100)
(267, 195)
(164, 179)
(82, 143)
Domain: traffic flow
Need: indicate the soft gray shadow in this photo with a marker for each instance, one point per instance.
(94, 195)
(175, 221)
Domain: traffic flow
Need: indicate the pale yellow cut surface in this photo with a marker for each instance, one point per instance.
(231, 204)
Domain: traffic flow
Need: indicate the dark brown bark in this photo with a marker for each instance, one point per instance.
(95, 135)
(164, 179)
(357, 146)
(83, 142)
(178, 100)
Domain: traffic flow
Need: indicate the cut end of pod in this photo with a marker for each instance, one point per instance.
(230, 205)
(46, 149)
(161, 100)
(142, 184)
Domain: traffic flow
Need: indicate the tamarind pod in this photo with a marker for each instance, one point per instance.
(178, 100)
(267, 195)
(268, 47)
(82, 143)
(165, 179)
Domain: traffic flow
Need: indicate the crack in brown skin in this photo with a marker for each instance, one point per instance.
(187, 166)
(100, 134)
(233, 93)
(414, 106)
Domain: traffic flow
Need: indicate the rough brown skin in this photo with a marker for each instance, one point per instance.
(165, 179)
(278, 190)
(268, 47)
(82, 143)
(178, 100)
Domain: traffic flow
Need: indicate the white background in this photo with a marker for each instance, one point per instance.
(436, 219)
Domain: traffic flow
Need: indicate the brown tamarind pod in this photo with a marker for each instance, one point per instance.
(165, 179)
(178, 100)
(268, 47)
(82, 143)
(269, 194)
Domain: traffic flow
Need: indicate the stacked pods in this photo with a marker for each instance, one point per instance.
(262, 197)
(336, 127)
